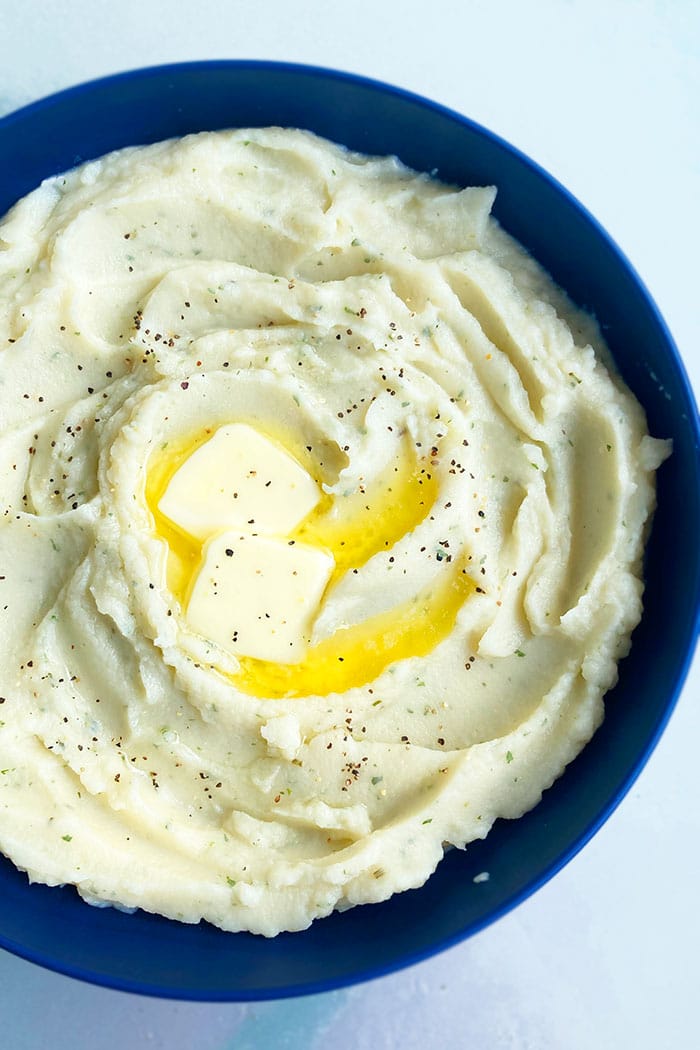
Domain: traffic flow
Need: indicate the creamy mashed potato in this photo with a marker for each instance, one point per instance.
(320, 530)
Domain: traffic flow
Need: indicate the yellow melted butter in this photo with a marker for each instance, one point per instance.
(352, 527)
(356, 526)
(356, 655)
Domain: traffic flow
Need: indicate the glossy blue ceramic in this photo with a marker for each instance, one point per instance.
(148, 954)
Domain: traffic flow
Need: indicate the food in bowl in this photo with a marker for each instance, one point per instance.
(323, 526)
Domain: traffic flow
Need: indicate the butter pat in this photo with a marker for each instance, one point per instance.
(239, 479)
(258, 595)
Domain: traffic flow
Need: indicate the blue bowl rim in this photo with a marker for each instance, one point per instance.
(567, 854)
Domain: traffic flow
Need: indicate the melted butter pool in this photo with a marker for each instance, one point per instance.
(352, 528)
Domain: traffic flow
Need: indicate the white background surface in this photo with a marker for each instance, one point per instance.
(606, 96)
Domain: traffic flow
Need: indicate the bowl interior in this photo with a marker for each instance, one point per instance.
(149, 954)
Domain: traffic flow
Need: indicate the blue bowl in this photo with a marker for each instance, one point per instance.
(148, 954)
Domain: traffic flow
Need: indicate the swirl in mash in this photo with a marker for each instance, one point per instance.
(321, 534)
